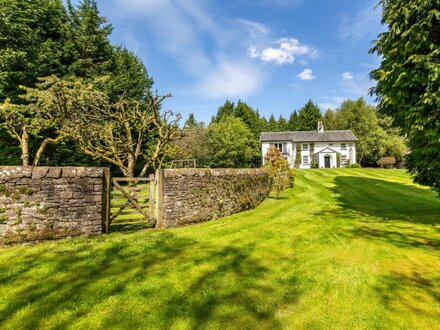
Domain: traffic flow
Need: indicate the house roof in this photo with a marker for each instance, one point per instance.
(309, 136)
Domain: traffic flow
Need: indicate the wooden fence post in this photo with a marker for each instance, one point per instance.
(151, 196)
(106, 200)
(159, 198)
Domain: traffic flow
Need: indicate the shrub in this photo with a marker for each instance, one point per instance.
(353, 166)
(292, 173)
(386, 162)
(279, 172)
(338, 160)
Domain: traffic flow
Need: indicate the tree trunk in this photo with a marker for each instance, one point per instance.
(24, 144)
(131, 164)
(43, 147)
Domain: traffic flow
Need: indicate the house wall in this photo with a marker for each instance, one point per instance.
(318, 147)
(290, 155)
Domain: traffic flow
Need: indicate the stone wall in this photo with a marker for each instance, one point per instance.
(195, 195)
(39, 203)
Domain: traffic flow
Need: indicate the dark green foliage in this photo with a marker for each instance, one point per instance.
(32, 43)
(226, 110)
(89, 43)
(128, 76)
(44, 37)
(329, 120)
(408, 81)
(309, 115)
(338, 160)
(249, 116)
(273, 124)
(293, 123)
(282, 124)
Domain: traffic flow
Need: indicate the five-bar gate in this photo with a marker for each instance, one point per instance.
(131, 200)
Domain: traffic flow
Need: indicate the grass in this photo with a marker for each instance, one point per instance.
(344, 249)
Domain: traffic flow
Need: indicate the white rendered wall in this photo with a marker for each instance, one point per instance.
(319, 146)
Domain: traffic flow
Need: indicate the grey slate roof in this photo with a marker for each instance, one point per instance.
(309, 136)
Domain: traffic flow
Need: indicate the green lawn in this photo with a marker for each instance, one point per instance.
(344, 249)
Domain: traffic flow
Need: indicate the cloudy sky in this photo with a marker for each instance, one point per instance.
(273, 54)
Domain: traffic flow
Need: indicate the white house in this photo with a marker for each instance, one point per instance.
(316, 148)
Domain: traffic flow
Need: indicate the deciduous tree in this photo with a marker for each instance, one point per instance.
(408, 81)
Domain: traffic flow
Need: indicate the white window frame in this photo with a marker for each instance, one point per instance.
(343, 159)
(343, 146)
(305, 160)
(305, 147)
(277, 145)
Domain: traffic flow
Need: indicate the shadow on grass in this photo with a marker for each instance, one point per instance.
(388, 200)
(129, 227)
(409, 290)
(222, 285)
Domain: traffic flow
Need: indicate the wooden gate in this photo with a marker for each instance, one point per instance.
(132, 200)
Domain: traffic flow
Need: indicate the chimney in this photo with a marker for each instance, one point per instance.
(320, 126)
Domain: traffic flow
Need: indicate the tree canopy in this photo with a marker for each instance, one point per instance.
(408, 81)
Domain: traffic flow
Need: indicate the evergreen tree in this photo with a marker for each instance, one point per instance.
(282, 124)
(309, 115)
(32, 44)
(249, 116)
(273, 124)
(128, 76)
(89, 42)
(329, 120)
(192, 123)
(293, 123)
(226, 110)
(264, 125)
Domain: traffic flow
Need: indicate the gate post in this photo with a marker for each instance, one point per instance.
(151, 196)
(159, 198)
(106, 200)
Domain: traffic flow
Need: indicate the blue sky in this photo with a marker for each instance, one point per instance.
(275, 55)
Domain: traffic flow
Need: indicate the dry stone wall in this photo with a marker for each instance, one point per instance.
(197, 195)
(39, 203)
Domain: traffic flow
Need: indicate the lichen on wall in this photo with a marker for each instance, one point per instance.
(38, 203)
(198, 195)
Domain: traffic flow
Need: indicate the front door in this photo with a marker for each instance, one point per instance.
(327, 161)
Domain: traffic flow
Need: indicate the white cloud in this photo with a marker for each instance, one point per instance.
(306, 74)
(347, 76)
(286, 52)
(255, 29)
(181, 28)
